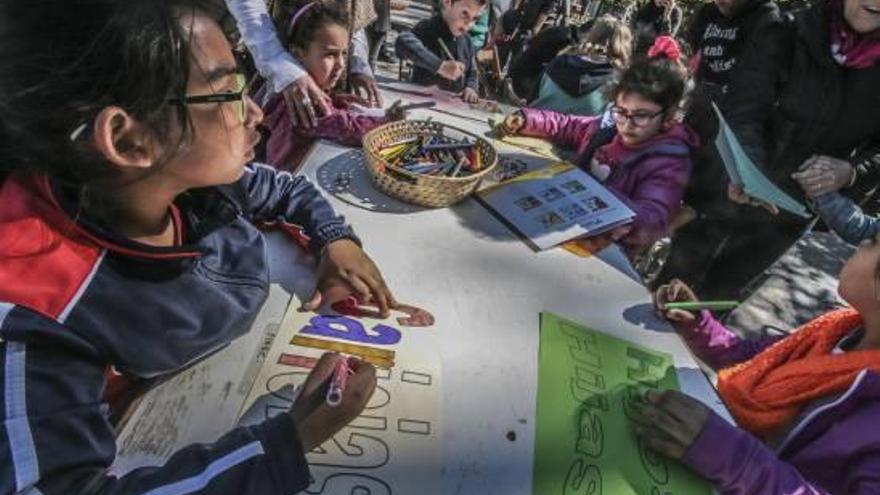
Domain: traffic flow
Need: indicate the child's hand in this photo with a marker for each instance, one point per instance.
(451, 70)
(346, 269)
(670, 422)
(737, 194)
(512, 124)
(470, 96)
(316, 422)
(674, 291)
(395, 112)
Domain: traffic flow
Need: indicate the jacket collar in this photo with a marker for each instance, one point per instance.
(61, 211)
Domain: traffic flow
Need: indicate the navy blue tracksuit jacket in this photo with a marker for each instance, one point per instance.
(77, 301)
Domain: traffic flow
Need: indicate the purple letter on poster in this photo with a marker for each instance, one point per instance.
(340, 327)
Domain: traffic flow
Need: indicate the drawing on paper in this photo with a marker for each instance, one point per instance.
(394, 446)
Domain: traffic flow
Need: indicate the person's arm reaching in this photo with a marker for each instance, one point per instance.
(845, 218)
(360, 74)
(283, 73)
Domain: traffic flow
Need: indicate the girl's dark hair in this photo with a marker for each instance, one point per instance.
(658, 79)
(309, 22)
(61, 66)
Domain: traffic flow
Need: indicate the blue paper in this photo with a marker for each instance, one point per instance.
(742, 170)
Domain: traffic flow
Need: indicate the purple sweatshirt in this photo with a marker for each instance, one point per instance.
(651, 184)
(834, 449)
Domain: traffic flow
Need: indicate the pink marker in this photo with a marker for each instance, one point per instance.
(337, 383)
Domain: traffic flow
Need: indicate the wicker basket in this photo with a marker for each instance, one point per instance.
(424, 190)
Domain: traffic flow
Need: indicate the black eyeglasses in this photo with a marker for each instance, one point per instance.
(639, 119)
(239, 95)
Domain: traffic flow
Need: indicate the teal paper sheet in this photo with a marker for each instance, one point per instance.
(742, 170)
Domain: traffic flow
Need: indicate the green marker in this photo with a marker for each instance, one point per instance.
(700, 305)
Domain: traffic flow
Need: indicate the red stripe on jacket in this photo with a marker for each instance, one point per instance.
(45, 260)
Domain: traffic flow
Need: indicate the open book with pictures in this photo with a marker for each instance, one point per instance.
(555, 204)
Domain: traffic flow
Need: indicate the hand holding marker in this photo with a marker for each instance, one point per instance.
(338, 381)
(449, 58)
(316, 420)
(676, 302)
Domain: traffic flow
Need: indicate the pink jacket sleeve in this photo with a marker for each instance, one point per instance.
(717, 346)
(343, 127)
(567, 131)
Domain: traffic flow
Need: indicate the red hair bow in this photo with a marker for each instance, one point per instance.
(665, 46)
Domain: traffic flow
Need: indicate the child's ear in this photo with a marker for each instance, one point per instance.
(123, 140)
(298, 52)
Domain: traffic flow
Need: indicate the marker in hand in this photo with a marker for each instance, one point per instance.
(701, 305)
(337, 382)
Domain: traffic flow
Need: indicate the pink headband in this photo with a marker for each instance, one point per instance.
(302, 10)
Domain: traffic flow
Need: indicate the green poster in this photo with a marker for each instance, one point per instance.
(584, 444)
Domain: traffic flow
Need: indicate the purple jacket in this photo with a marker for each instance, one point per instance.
(835, 449)
(650, 183)
(288, 144)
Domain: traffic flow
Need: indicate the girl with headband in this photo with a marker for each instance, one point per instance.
(317, 36)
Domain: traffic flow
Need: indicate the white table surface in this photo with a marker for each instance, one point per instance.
(486, 289)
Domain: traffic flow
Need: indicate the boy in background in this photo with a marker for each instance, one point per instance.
(427, 44)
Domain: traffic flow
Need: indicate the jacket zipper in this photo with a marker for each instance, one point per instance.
(819, 410)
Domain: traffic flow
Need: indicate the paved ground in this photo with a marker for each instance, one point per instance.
(800, 286)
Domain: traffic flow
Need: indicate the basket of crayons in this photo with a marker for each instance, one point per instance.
(427, 163)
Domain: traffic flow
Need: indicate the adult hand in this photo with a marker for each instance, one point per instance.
(737, 194)
(303, 97)
(346, 269)
(674, 291)
(670, 422)
(451, 70)
(366, 85)
(316, 422)
(822, 174)
(470, 96)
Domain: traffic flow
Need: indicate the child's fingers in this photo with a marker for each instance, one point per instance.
(680, 315)
(322, 371)
(674, 290)
(660, 444)
(378, 292)
(314, 302)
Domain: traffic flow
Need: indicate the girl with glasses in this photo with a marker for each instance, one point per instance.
(128, 247)
(638, 149)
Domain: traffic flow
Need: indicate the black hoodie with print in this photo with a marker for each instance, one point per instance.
(720, 40)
